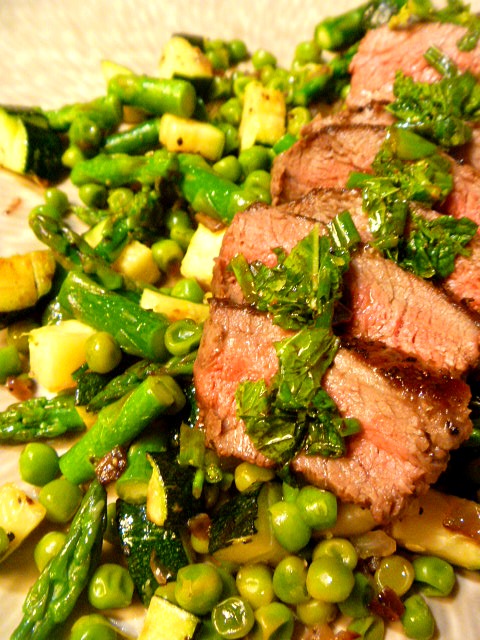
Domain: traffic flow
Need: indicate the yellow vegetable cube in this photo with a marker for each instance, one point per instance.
(263, 116)
(174, 308)
(136, 262)
(56, 351)
(24, 279)
(19, 515)
(200, 257)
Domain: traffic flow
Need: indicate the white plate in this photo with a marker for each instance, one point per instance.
(50, 53)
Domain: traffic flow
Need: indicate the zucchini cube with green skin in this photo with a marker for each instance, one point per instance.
(174, 308)
(24, 279)
(200, 257)
(166, 621)
(263, 116)
(191, 136)
(181, 59)
(19, 515)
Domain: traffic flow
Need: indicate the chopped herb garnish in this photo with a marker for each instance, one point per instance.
(293, 411)
(440, 111)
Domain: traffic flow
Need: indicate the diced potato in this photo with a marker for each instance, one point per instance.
(181, 58)
(167, 621)
(263, 116)
(19, 515)
(25, 278)
(200, 257)
(136, 262)
(421, 530)
(56, 351)
(174, 308)
(191, 136)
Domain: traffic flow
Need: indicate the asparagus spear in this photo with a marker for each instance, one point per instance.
(119, 423)
(138, 331)
(53, 596)
(40, 418)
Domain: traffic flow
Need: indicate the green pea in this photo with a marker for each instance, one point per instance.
(368, 628)
(289, 580)
(120, 199)
(47, 548)
(38, 463)
(436, 576)
(237, 50)
(221, 87)
(233, 617)
(340, 548)
(253, 158)
(188, 289)
(93, 195)
(254, 583)
(167, 591)
(247, 474)
(329, 579)
(231, 111)
(10, 363)
(258, 180)
(182, 336)
(229, 167)
(289, 529)
(85, 133)
(395, 572)
(17, 334)
(182, 236)
(307, 51)
(290, 492)
(274, 622)
(316, 612)
(219, 58)
(72, 156)
(110, 587)
(297, 118)
(61, 499)
(102, 352)
(318, 508)
(232, 139)
(356, 605)
(177, 218)
(262, 57)
(166, 252)
(44, 210)
(417, 619)
(198, 588)
(94, 626)
(57, 199)
(4, 542)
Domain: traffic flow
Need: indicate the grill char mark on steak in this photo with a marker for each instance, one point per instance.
(384, 51)
(410, 420)
(385, 303)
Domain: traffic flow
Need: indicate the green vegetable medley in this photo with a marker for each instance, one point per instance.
(102, 329)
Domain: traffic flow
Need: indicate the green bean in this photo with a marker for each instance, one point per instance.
(47, 548)
(61, 499)
(417, 620)
(138, 139)
(318, 508)
(233, 617)
(198, 588)
(102, 352)
(38, 463)
(254, 583)
(155, 95)
(110, 587)
(435, 575)
(329, 579)
(291, 531)
(274, 622)
(289, 580)
(183, 336)
(395, 572)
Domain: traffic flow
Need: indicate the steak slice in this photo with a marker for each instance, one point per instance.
(385, 303)
(410, 420)
(326, 157)
(384, 51)
(463, 285)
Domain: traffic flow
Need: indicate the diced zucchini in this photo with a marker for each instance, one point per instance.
(56, 351)
(136, 262)
(166, 621)
(28, 146)
(191, 136)
(170, 500)
(24, 279)
(421, 530)
(147, 546)
(181, 59)
(19, 515)
(173, 308)
(263, 116)
(200, 256)
(241, 531)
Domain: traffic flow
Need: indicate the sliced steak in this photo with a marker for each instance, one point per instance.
(410, 420)
(385, 303)
(384, 51)
(463, 285)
